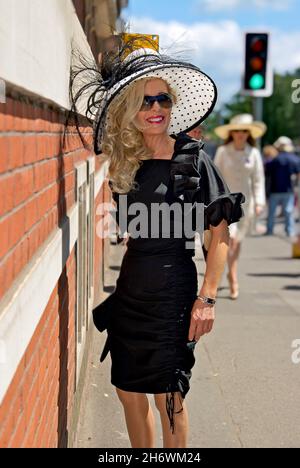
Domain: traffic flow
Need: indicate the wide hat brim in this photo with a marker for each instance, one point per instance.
(196, 96)
(256, 129)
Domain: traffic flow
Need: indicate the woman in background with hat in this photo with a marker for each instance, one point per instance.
(241, 165)
(156, 314)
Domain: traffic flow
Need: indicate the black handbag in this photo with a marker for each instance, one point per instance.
(102, 312)
(101, 319)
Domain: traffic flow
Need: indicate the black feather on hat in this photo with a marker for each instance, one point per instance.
(97, 88)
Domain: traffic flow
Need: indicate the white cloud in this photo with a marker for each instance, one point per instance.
(225, 5)
(217, 48)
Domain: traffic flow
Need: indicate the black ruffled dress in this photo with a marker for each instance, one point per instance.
(149, 311)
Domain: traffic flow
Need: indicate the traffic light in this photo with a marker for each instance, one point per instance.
(257, 74)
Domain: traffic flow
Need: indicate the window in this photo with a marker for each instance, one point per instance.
(81, 260)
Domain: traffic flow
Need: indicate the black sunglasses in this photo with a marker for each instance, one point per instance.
(164, 100)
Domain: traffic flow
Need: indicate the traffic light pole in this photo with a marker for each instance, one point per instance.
(258, 113)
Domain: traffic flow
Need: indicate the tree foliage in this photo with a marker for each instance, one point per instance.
(280, 113)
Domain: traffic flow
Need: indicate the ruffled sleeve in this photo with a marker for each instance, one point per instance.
(219, 202)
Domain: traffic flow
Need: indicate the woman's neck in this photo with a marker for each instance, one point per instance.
(239, 146)
(160, 145)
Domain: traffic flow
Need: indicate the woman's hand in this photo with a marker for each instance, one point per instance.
(202, 320)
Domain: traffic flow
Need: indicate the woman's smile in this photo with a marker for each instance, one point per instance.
(156, 119)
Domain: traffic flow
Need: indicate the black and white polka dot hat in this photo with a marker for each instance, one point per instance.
(195, 91)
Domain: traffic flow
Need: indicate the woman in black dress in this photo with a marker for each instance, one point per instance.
(157, 313)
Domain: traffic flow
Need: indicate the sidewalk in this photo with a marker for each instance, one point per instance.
(245, 387)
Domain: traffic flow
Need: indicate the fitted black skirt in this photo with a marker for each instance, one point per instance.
(149, 324)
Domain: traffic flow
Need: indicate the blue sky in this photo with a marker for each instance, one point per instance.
(210, 33)
(283, 14)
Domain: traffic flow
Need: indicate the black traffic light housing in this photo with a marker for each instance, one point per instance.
(257, 70)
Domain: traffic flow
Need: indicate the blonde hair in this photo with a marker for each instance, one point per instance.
(123, 144)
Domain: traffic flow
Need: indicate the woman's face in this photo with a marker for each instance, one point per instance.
(155, 119)
(240, 137)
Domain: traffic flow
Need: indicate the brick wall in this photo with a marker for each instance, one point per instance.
(37, 188)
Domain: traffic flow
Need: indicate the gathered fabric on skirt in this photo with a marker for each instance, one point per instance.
(148, 331)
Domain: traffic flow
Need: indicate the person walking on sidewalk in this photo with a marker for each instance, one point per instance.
(280, 172)
(241, 165)
(156, 315)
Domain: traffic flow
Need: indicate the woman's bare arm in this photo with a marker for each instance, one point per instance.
(202, 315)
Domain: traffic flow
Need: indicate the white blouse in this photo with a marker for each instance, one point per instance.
(244, 172)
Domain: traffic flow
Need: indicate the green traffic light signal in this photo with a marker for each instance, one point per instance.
(256, 63)
(256, 81)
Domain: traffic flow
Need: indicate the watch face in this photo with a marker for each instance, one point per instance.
(207, 300)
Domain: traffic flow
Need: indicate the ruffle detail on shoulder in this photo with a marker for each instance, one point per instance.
(197, 179)
(183, 172)
(227, 206)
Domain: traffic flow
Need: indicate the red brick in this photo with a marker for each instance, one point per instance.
(16, 152)
(19, 435)
(43, 431)
(39, 422)
(30, 118)
(20, 257)
(9, 272)
(23, 185)
(4, 154)
(30, 149)
(8, 111)
(42, 371)
(33, 242)
(46, 200)
(53, 195)
(69, 182)
(38, 178)
(70, 200)
(54, 169)
(19, 121)
(4, 237)
(68, 164)
(16, 227)
(7, 428)
(6, 195)
(31, 432)
(30, 214)
(41, 147)
(42, 234)
(25, 126)
(31, 399)
(13, 389)
(39, 122)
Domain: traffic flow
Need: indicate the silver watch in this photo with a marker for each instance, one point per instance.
(207, 300)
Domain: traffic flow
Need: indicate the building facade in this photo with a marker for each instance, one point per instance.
(51, 260)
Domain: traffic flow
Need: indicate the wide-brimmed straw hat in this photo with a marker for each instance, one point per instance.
(242, 122)
(196, 92)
